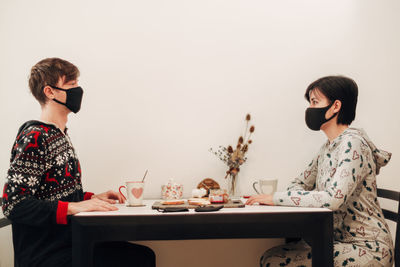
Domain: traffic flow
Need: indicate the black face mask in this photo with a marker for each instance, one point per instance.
(74, 98)
(315, 117)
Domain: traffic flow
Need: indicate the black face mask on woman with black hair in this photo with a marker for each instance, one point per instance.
(74, 98)
(315, 117)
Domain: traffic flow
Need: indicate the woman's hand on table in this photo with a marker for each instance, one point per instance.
(262, 199)
(94, 204)
(110, 196)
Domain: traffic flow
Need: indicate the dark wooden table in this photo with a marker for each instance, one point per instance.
(137, 224)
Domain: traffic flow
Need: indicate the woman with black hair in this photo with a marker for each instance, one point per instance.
(342, 177)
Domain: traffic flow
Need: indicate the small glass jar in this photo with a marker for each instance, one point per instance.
(218, 196)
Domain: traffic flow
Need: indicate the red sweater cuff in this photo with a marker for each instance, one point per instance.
(62, 211)
(88, 195)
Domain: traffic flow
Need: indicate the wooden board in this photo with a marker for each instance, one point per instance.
(230, 204)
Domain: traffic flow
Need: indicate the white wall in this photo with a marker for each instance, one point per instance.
(166, 80)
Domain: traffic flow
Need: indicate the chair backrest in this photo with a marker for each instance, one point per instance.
(393, 216)
(3, 221)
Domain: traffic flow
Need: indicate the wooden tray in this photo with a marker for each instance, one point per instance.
(230, 204)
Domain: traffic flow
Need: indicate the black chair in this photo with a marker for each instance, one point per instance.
(3, 221)
(393, 216)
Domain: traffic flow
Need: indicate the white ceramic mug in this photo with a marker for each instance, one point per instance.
(265, 186)
(134, 192)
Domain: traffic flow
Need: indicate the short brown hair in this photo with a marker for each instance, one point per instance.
(47, 72)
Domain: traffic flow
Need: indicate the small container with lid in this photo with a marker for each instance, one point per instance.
(218, 196)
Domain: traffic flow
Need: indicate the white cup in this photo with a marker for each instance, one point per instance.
(135, 192)
(267, 187)
(199, 192)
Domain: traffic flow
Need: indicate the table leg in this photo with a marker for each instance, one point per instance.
(322, 243)
(82, 248)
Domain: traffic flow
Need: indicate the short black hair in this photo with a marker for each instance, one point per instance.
(338, 88)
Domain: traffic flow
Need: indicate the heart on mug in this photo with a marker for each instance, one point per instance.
(137, 192)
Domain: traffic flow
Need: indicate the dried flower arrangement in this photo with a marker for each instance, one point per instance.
(233, 158)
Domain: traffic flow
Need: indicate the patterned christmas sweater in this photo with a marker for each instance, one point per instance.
(44, 175)
(342, 177)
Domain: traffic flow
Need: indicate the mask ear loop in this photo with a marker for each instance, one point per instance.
(59, 102)
(57, 88)
(334, 114)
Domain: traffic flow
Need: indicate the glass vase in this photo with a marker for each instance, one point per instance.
(232, 186)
